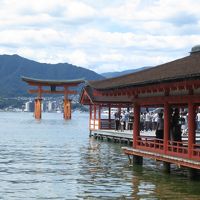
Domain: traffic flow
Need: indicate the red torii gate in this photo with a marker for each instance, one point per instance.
(52, 84)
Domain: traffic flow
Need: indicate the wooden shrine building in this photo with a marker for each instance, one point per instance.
(51, 87)
(170, 86)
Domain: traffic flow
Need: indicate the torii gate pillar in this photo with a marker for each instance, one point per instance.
(67, 109)
(38, 108)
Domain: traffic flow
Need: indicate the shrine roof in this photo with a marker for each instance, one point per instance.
(108, 99)
(187, 68)
(45, 82)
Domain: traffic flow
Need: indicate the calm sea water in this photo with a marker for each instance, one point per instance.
(53, 159)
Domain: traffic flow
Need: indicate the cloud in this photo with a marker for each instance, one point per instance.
(100, 35)
(182, 19)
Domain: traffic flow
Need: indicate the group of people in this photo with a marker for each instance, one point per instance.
(148, 120)
(177, 121)
(122, 120)
(154, 121)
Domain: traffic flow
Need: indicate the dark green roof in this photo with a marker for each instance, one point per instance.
(51, 82)
(181, 69)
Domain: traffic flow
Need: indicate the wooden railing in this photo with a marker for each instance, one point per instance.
(150, 143)
(174, 148)
(196, 151)
(179, 149)
(107, 124)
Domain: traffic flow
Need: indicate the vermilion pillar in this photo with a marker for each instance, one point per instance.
(166, 125)
(109, 117)
(67, 109)
(95, 115)
(99, 118)
(136, 133)
(38, 108)
(191, 127)
(136, 125)
(90, 117)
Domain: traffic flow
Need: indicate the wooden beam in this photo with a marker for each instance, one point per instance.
(170, 99)
(52, 92)
(160, 87)
(56, 84)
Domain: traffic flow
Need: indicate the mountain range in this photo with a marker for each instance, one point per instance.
(12, 67)
(115, 74)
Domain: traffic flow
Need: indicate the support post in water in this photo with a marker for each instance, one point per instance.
(138, 160)
(38, 108)
(166, 167)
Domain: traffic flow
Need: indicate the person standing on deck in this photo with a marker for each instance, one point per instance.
(160, 127)
(147, 121)
(198, 120)
(117, 120)
(184, 122)
(154, 120)
(127, 114)
(142, 121)
(176, 126)
(170, 124)
(122, 121)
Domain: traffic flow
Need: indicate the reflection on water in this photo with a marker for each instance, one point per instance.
(55, 159)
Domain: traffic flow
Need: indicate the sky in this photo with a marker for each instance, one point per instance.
(100, 35)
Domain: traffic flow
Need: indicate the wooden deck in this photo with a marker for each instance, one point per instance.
(162, 157)
(125, 136)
